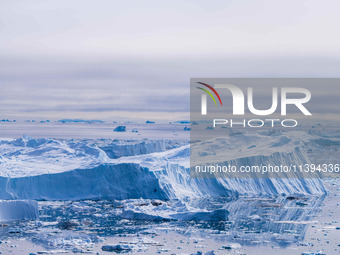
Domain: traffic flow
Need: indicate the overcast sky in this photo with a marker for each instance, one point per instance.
(125, 60)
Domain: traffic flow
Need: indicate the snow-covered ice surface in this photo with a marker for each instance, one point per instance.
(132, 191)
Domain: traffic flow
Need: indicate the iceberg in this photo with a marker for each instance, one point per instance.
(18, 210)
(106, 181)
(119, 149)
(68, 169)
(120, 129)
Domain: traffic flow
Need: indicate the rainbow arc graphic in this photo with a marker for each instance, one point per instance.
(209, 93)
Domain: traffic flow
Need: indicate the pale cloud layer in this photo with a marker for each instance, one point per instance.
(134, 59)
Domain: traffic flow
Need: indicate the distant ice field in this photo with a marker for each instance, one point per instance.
(92, 131)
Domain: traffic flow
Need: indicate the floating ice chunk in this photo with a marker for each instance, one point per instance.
(117, 248)
(120, 129)
(52, 252)
(231, 246)
(131, 215)
(67, 225)
(217, 215)
(122, 148)
(18, 210)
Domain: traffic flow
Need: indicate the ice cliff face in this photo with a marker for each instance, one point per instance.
(106, 181)
(18, 210)
(177, 183)
(50, 169)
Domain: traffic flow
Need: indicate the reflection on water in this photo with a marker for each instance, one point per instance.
(251, 221)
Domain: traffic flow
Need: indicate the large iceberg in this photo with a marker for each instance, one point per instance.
(52, 169)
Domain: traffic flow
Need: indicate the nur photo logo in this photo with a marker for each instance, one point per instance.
(239, 99)
(251, 97)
